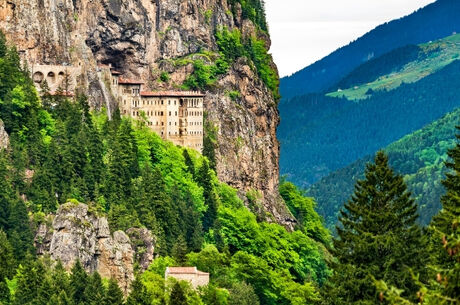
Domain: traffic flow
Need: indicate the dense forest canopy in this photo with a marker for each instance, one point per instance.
(419, 157)
(127, 173)
(329, 133)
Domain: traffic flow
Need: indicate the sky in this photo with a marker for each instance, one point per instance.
(304, 31)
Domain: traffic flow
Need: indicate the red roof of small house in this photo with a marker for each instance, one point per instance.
(184, 270)
(125, 81)
(172, 93)
(114, 72)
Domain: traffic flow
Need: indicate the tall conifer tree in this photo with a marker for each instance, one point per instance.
(209, 194)
(447, 232)
(139, 294)
(378, 238)
(113, 295)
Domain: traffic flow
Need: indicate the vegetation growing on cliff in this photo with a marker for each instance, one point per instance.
(253, 10)
(232, 46)
(125, 171)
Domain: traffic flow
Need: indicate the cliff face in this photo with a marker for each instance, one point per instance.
(78, 234)
(144, 38)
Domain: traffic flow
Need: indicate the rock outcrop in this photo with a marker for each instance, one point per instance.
(142, 39)
(78, 234)
(4, 138)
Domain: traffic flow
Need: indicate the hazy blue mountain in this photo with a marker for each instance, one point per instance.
(419, 157)
(437, 20)
(320, 134)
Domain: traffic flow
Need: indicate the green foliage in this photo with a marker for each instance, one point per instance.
(232, 47)
(139, 294)
(444, 286)
(210, 142)
(303, 208)
(229, 43)
(203, 76)
(177, 295)
(419, 157)
(79, 282)
(113, 294)
(264, 64)
(234, 95)
(164, 77)
(253, 10)
(207, 16)
(125, 171)
(242, 294)
(377, 238)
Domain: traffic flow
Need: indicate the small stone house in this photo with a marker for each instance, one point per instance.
(196, 277)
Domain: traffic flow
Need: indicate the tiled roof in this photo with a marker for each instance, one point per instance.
(172, 93)
(130, 81)
(184, 270)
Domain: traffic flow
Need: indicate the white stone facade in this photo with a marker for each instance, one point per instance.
(196, 277)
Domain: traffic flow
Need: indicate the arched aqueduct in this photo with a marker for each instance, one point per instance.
(57, 77)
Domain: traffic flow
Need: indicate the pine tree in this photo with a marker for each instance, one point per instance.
(209, 194)
(95, 291)
(45, 291)
(20, 233)
(29, 281)
(447, 231)
(60, 278)
(123, 165)
(78, 282)
(165, 213)
(5, 193)
(378, 239)
(179, 250)
(63, 299)
(139, 294)
(177, 295)
(7, 265)
(189, 163)
(113, 295)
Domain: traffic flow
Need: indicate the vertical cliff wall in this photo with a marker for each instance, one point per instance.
(148, 38)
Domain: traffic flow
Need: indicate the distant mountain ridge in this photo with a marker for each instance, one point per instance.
(419, 157)
(435, 21)
(321, 134)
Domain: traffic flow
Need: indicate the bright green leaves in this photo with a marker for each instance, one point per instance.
(18, 101)
(264, 64)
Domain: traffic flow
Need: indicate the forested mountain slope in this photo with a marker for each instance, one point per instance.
(404, 65)
(419, 157)
(321, 134)
(62, 154)
(217, 47)
(432, 22)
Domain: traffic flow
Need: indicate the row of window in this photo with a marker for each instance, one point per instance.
(156, 123)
